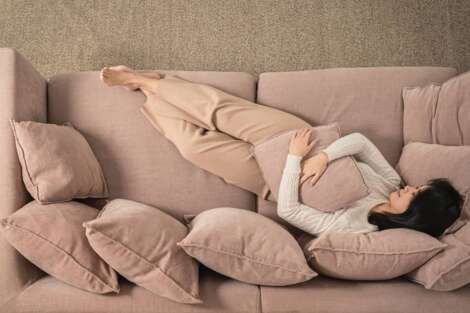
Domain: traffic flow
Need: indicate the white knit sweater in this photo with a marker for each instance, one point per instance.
(380, 177)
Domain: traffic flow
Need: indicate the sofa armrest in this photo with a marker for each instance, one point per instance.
(23, 96)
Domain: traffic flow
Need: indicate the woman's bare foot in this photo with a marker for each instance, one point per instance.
(111, 79)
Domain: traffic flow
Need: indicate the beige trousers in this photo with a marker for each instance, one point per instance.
(215, 130)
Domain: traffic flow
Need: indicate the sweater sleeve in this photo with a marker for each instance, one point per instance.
(308, 219)
(364, 150)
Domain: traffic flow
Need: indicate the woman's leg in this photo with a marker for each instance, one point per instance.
(215, 109)
(209, 107)
(214, 151)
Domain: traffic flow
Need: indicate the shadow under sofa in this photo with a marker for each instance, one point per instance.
(141, 165)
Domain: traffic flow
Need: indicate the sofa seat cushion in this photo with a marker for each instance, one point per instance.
(220, 294)
(330, 295)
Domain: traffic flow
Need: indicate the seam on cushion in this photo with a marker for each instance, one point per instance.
(415, 280)
(260, 302)
(442, 273)
(240, 256)
(24, 158)
(434, 111)
(378, 253)
(178, 287)
(459, 128)
(82, 196)
(64, 252)
(466, 206)
(434, 117)
(103, 179)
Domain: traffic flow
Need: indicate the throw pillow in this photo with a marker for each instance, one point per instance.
(246, 246)
(139, 242)
(449, 269)
(341, 178)
(57, 162)
(376, 255)
(438, 114)
(52, 237)
(419, 106)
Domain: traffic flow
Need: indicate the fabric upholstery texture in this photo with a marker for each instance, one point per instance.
(421, 162)
(451, 120)
(376, 255)
(246, 246)
(139, 242)
(138, 162)
(366, 100)
(438, 113)
(342, 177)
(22, 97)
(419, 106)
(449, 269)
(135, 158)
(418, 163)
(58, 164)
(52, 237)
(331, 295)
(221, 295)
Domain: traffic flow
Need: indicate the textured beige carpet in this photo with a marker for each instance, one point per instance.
(229, 35)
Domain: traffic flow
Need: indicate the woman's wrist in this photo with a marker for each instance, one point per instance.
(325, 156)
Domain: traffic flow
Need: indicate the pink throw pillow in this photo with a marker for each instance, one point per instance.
(57, 162)
(246, 246)
(140, 243)
(376, 255)
(52, 237)
(438, 114)
(449, 269)
(340, 185)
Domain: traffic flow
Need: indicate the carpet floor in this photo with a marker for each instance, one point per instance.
(236, 35)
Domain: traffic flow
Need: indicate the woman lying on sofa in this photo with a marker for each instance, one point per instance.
(429, 208)
(215, 130)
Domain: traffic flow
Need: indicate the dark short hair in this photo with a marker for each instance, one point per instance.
(431, 211)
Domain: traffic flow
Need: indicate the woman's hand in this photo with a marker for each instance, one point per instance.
(315, 166)
(299, 142)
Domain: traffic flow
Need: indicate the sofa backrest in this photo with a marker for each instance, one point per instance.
(138, 162)
(364, 99)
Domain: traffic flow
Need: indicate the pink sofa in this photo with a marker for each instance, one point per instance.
(141, 165)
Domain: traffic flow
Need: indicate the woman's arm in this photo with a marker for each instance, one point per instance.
(364, 150)
(308, 219)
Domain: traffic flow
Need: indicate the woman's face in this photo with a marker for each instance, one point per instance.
(400, 199)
